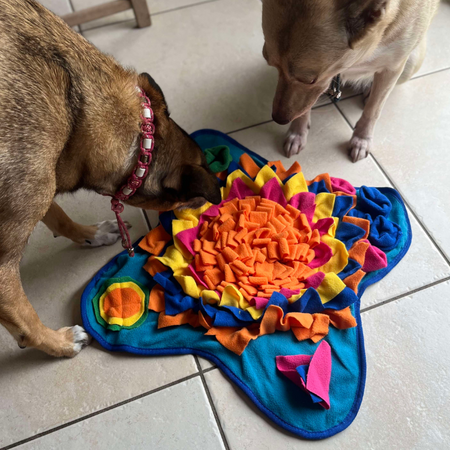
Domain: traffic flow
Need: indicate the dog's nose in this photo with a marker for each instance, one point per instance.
(279, 119)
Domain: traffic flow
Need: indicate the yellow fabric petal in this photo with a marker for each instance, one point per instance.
(210, 297)
(295, 185)
(265, 175)
(173, 258)
(332, 230)
(238, 174)
(232, 297)
(192, 214)
(324, 206)
(189, 285)
(331, 286)
(255, 313)
(339, 260)
(177, 227)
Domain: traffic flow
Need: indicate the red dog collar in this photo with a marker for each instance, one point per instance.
(140, 171)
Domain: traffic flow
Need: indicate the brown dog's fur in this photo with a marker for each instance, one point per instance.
(371, 43)
(69, 119)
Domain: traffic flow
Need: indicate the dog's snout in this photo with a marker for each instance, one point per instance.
(280, 119)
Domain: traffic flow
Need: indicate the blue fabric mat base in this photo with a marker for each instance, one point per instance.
(255, 371)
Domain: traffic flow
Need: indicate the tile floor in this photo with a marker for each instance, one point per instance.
(207, 57)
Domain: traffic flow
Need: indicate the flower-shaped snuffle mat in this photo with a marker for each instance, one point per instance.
(267, 285)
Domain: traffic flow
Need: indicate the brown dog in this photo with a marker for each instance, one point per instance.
(371, 43)
(70, 119)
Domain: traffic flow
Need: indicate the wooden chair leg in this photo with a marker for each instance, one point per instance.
(142, 13)
(139, 7)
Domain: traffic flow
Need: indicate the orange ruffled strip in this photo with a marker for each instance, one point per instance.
(304, 326)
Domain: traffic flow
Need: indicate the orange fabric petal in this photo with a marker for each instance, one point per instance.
(342, 319)
(153, 266)
(249, 165)
(155, 241)
(157, 300)
(353, 281)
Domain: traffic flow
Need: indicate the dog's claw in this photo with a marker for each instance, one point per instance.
(360, 148)
(294, 143)
(80, 339)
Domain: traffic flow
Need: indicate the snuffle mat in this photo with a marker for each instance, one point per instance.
(267, 285)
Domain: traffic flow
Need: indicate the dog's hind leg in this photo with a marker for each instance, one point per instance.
(21, 320)
(102, 233)
(20, 211)
(297, 135)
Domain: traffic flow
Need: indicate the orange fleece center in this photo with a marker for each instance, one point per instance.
(257, 246)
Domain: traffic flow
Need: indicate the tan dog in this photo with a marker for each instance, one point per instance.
(371, 43)
(69, 119)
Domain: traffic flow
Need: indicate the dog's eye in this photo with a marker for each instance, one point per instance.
(313, 81)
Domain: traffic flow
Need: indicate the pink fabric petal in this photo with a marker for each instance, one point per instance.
(340, 185)
(211, 212)
(323, 254)
(375, 259)
(305, 203)
(315, 280)
(323, 225)
(272, 191)
(259, 302)
(187, 237)
(197, 277)
(239, 190)
(288, 293)
(319, 374)
(287, 365)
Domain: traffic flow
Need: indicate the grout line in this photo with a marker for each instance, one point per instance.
(429, 73)
(101, 411)
(211, 403)
(407, 294)
(249, 126)
(210, 369)
(405, 200)
(271, 120)
(413, 212)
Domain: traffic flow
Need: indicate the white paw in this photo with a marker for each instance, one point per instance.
(80, 339)
(107, 234)
(294, 143)
(360, 148)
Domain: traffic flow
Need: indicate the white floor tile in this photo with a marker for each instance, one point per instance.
(411, 143)
(177, 418)
(38, 392)
(407, 398)
(438, 41)
(209, 64)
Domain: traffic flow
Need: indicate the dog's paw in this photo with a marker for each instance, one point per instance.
(107, 234)
(80, 339)
(360, 148)
(294, 143)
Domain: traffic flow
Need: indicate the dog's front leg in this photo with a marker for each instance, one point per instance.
(102, 233)
(297, 135)
(21, 320)
(362, 140)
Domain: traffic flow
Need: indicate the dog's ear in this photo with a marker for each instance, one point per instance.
(362, 16)
(193, 181)
(153, 84)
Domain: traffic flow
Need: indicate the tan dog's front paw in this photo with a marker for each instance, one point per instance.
(294, 143)
(107, 234)
(360, 148)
